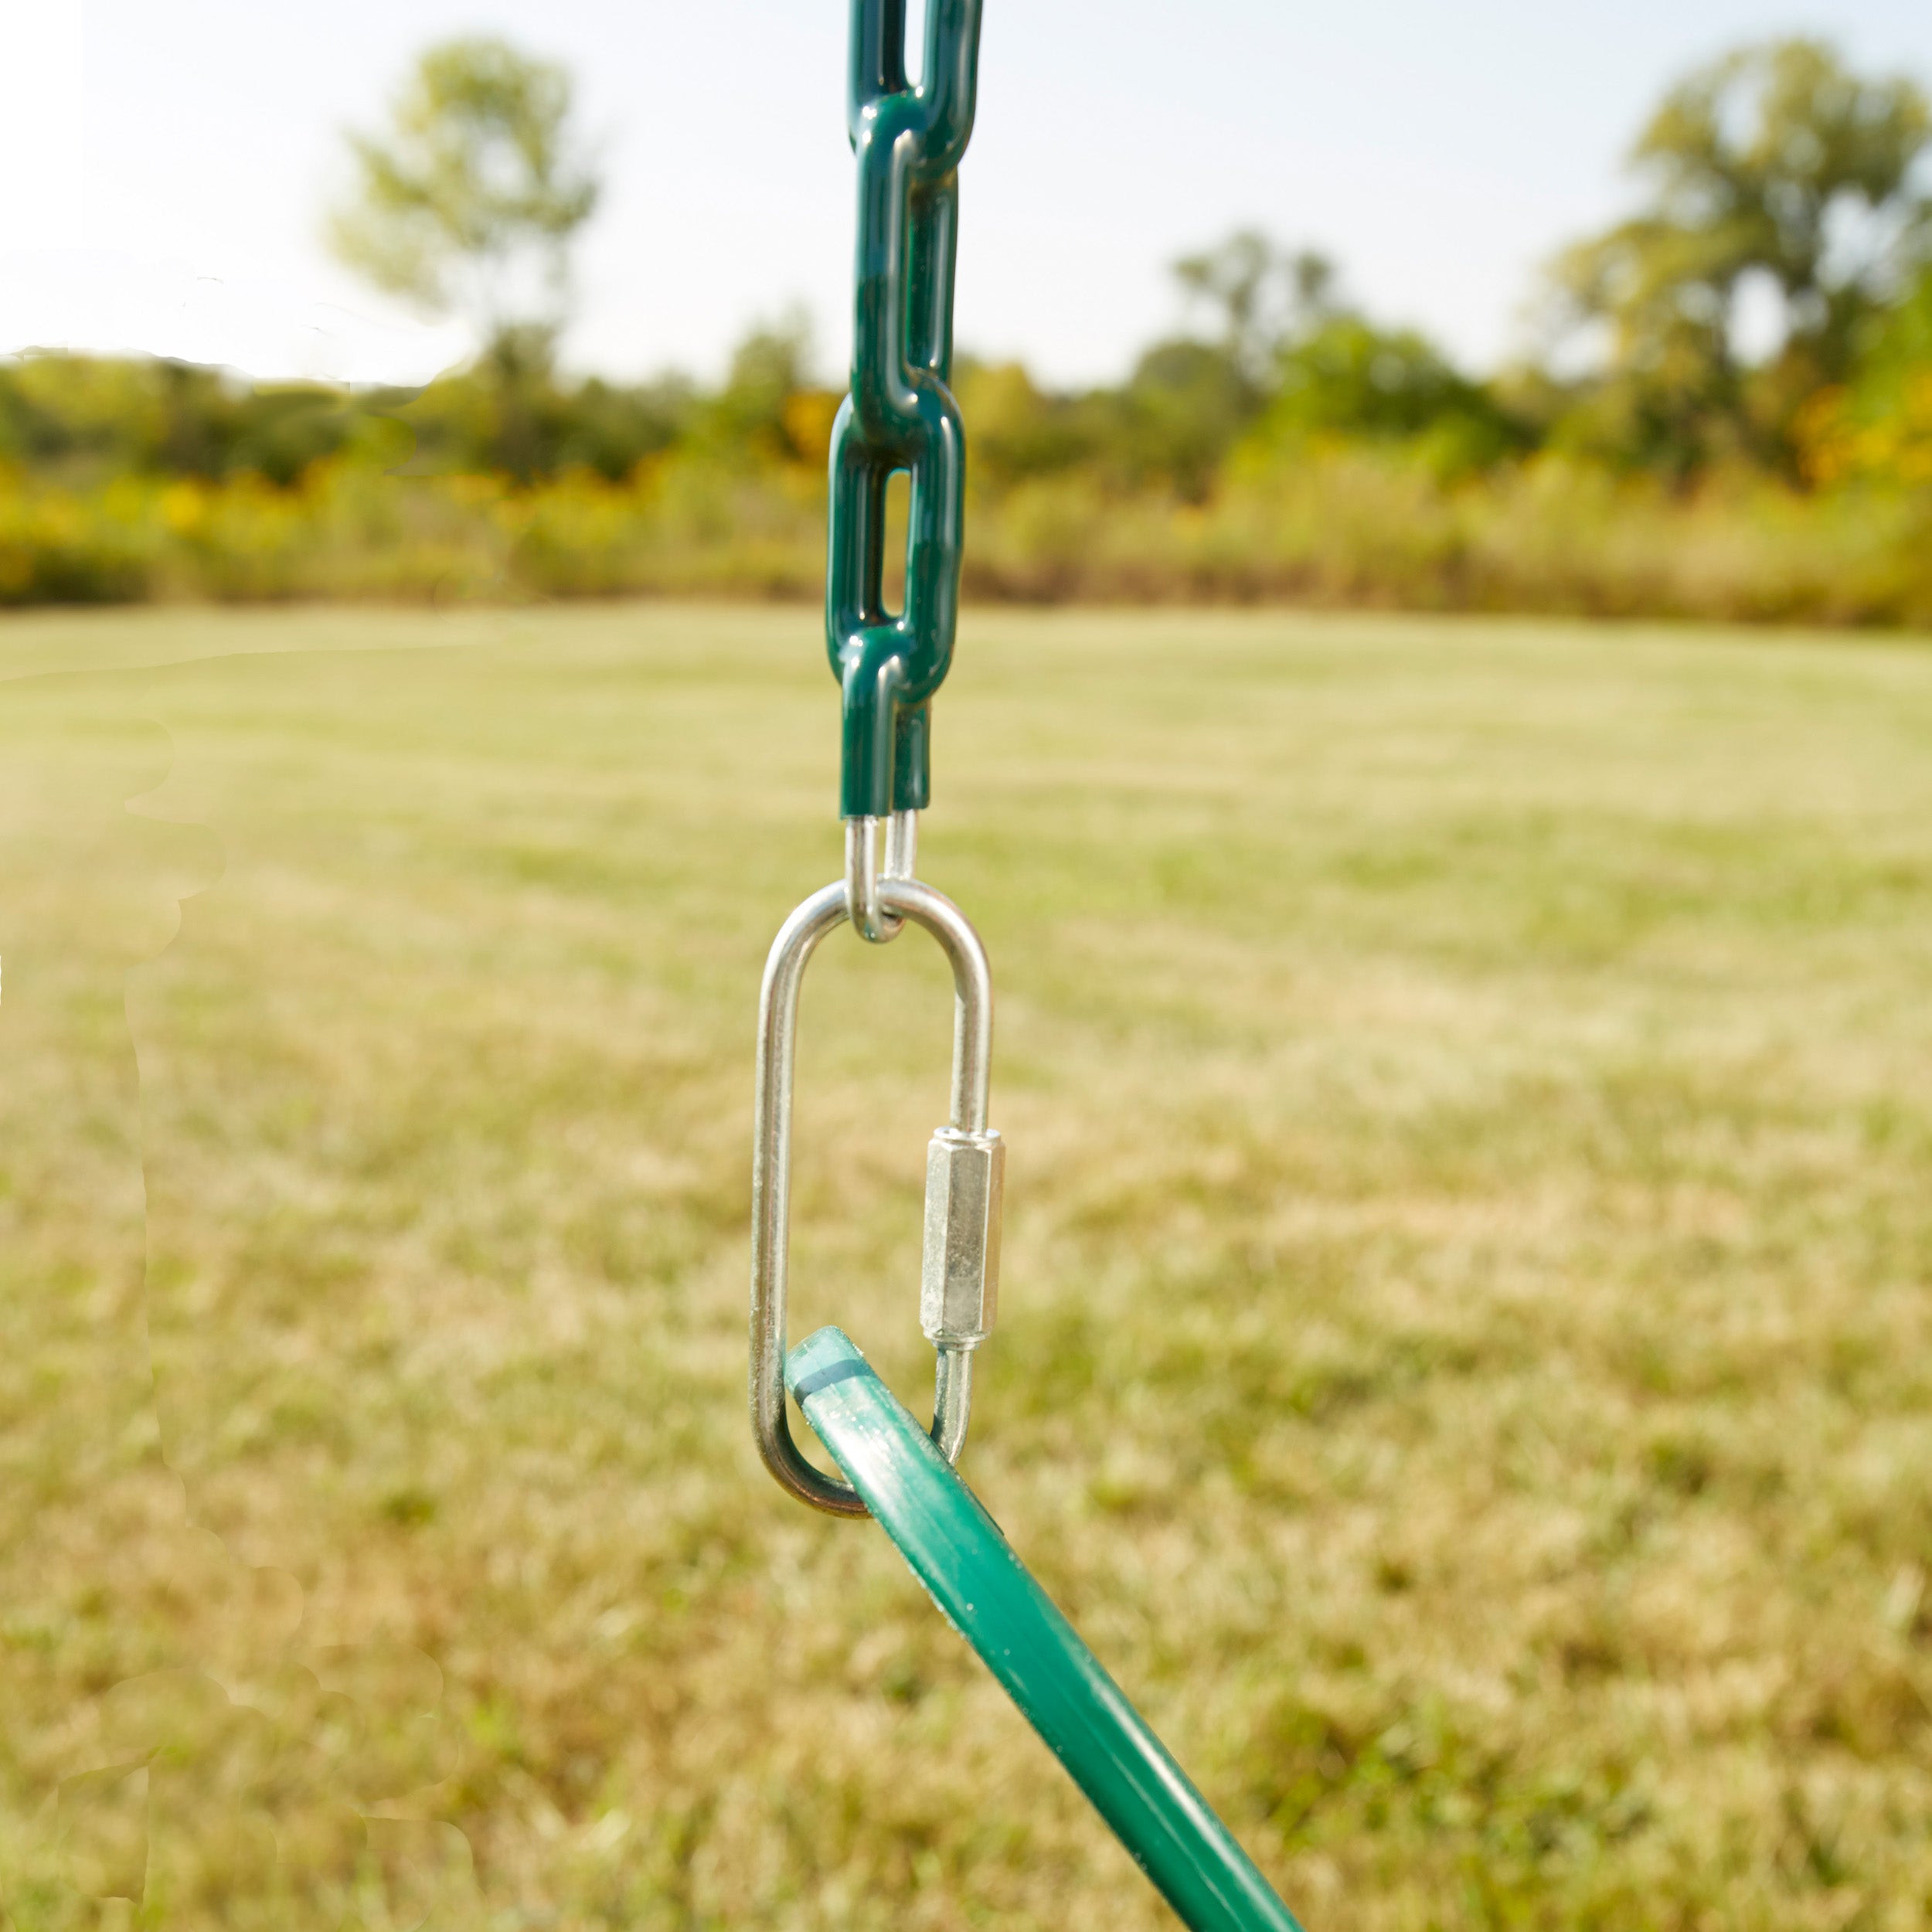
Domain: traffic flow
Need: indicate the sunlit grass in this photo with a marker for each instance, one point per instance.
(1465, 1352)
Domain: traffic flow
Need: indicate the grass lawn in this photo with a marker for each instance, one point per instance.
(1466, 1346)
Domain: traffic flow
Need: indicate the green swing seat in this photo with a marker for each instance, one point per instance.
(957, 1550)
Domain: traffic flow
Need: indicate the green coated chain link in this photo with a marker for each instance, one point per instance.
(900, 414)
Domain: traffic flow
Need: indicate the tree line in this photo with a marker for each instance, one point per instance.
(1778, 188)
(1727, 410)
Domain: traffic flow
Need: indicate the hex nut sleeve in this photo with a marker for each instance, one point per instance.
(959, 1283)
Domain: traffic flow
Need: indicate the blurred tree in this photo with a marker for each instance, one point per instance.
(79, 419)
(611, 428)
(1185, 407)
(1187, 401)
(468, 204)
(1168, 427)
(757, 415)
(1265, 294)
(82, 419)
(281, 428)
(1017, 430)
(463, 422)
(1775, 168)
(1287, 355)
(1347, 379)
(1877, 428)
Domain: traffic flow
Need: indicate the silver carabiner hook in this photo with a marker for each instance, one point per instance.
(959, 1283)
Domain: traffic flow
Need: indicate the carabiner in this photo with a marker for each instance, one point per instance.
(959, 1284)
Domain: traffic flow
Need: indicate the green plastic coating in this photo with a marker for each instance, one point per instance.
(900, 414)
(989, 1595)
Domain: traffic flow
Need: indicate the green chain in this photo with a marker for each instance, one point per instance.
(900, 414)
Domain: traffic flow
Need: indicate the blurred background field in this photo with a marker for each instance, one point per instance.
(1464, 1354)
(1464, 1360)
(1717, 405)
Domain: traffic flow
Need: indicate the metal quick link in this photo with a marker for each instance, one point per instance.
(964, 1166)
(900, 414)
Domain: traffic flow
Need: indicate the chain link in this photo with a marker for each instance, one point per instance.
(900, 414)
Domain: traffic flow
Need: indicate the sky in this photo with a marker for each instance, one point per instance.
(164, 170)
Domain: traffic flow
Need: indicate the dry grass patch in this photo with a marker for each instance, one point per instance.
(1467, 1358)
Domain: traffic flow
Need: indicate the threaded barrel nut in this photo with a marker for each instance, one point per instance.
(959, 1283)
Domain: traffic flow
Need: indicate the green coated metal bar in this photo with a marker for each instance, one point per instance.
(989, 1595)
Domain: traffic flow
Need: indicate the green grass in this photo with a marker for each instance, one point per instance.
(1466, 1347)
